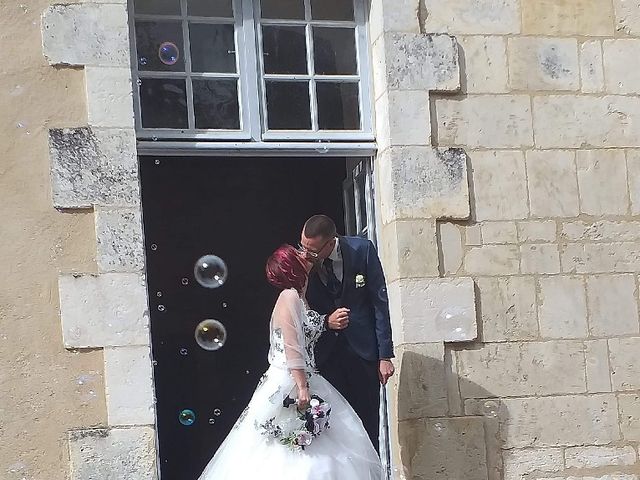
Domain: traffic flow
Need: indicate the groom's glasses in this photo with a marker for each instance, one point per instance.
(305, 252)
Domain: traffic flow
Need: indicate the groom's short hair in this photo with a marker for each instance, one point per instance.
(319, 226)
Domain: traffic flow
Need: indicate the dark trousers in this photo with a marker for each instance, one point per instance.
(358, 382)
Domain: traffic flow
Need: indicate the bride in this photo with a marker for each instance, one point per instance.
(261, 444)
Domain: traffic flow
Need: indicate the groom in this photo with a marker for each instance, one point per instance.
(347, 283)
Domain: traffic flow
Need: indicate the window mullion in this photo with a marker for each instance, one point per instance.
(311, 66)
(187, 65)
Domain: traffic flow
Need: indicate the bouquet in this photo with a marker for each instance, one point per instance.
(298, 432)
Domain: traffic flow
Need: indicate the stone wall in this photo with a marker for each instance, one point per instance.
(548, 115)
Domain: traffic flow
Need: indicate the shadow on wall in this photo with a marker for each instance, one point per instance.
(440, 438)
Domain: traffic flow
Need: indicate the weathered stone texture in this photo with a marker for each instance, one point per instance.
(601, 230)
(630, 416)
(508, 306)
(450, 243)
(609, 121)
(519, 463)
(627, 16)
(602, 180)
(93, 167)
(473, 17)
(403, 118)
(522, 369)
(485, 64)
(410, 249)
(619, 54)
(119, 239)
(539, 258)
(129, 385)
(543, 63)
(103, 310)
(393, 16)
(577, 420)
(618, 257)
(613, 306)
(537, 231)
(432, 310)
(113, 454)
(562, 307)
(633, 174)
(109, 97)
(499, 232)
(591, 67)
(594, 457)
(597, 360)
(553, 186)
(625, 368)
(423, 182)
(500, 185)
(86, 34)
(573, 18)
(485, 121)
(492, 260)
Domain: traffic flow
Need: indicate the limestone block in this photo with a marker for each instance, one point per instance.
(540, 258)
(129, 386)
(562, 309)
(492, 260)
(625, 368)
(573, 18)
(537, 231)
(113, 454)
(403, 118)
(597, 360)
(630, 416)
(392, 16)
(601, 230)
(613, 307)
(609, 121)
(410, 249)
(93, 167)
(444, 448)
(456, 406)
(119, 239)
(422, 62)
(423, 182)
(594, 457)
(519, 463)
(499, 185)
(86, 34)
(109, 97)
(633, 172)
(602, 181)
(103, 310)
(612, 476)
(473, 235)
(618, 55)
(591, 67)
(379, 67)
(499, 232)
(522, 369)
(451, 251)
(537, 63)
(577, 420)
(627, 16)
(422, 388)
(553, 187)
(473, 17)
(486, 121)
(432, 310)
(485, 64)
(508, 306)
(619, 257)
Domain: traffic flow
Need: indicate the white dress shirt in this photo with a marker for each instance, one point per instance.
(336, 257)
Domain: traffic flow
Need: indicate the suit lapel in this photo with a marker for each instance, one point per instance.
(347, 270)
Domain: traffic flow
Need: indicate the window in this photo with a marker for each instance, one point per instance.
(257, 70)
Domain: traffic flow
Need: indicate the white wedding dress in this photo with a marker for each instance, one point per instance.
(341, 452)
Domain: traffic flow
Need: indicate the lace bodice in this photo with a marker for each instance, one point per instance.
(295, 337)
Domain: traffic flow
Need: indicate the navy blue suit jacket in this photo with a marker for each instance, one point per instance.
(369, 330)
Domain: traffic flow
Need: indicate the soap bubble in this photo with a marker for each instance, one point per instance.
(212, 421)
(450, 322)
(490, 409)
(184, 352)
(217, 412)
(210, 271)
(161, 308)
(168, 53)
(211, 335)
(185, 281)
(187, 417)
(143, 61)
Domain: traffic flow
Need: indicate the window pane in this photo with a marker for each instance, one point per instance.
(215, 103)
(212, 48)
(288, 106)
(210, 8)
(163, 103)
(282, 9)
(332, 9)
(160, 46)
(335, 51)
(362, 200)
(285, 49)
(338, 106)
(157, 7)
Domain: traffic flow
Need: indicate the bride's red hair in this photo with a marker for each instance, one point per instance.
(285, 268)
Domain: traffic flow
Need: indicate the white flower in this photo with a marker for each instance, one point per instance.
(360, 280)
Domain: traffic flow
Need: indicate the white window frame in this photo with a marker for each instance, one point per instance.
(251, 81)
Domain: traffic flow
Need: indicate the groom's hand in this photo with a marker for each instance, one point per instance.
(339, 320)
(385, 370)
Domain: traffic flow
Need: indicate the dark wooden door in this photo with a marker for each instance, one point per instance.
(240, 209)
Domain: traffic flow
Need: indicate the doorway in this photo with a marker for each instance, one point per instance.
(240, 209)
